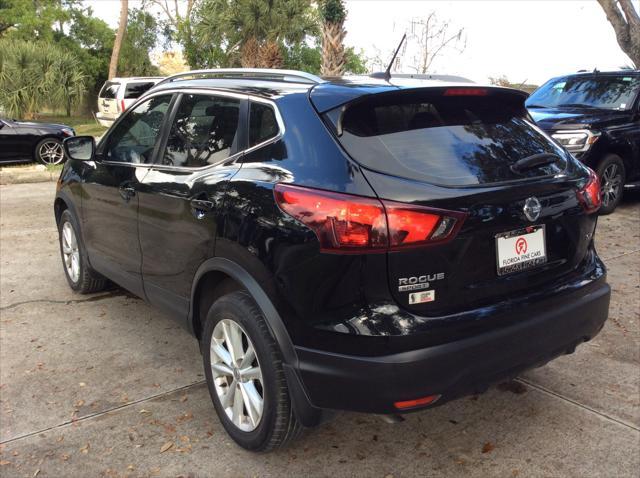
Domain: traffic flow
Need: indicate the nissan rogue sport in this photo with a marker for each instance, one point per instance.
(344, 244)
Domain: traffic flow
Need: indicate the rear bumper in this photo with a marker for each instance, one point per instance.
(455, 369)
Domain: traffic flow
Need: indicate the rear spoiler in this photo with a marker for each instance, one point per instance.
(327, 96)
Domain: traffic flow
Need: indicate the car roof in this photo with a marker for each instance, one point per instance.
(595, 74)
(326, 93)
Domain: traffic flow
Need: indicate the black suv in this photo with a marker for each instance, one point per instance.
(596, 116)
(339, 244)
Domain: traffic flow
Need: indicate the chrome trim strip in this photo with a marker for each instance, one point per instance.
(209, 92)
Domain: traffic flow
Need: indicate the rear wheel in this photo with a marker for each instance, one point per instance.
(245, 375)
(612, 176)
(80, 276)
(49, 151)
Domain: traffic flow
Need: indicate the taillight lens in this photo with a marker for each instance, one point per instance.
(122, 107)
(589, 196)
(348, 223)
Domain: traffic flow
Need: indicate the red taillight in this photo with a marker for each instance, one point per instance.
(419, 402)
(465, 92)
(122, 107)
(347, 223)
(589, 196)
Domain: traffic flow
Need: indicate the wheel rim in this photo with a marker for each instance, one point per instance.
(51, 152)
(611, 184)
(237, 375)
(70, 252)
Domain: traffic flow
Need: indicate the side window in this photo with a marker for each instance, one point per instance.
(133, 138)
(135, 90)
(203, 132)
(262, 123)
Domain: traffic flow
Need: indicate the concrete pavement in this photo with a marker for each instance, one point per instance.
(100, 385)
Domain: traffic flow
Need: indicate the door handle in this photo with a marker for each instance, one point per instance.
(127, 192)
(200, 207)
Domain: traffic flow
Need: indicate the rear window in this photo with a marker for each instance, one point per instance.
(446, 140)
(109, 90)
(134, 90)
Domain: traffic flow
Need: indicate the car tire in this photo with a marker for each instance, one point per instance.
(612, 175)
(234, 383)
(80, 276)
(49, 152)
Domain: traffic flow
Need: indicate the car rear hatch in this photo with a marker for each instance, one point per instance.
(107, 100)
(513, 197)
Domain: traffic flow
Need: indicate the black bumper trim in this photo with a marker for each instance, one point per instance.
(464, 367)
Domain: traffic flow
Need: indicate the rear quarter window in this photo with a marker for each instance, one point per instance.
(262, 123)
(135, 90)
(110, 90)
(445, 140)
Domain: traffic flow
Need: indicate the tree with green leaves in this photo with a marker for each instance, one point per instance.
(141, 38)
(35, 75)
(333, 14)
(250, 33)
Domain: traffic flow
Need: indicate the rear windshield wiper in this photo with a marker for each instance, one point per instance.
(536, 106)
(534, 161)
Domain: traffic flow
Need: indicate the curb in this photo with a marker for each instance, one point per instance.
(22, 177)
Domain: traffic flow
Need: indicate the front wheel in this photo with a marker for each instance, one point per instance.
(80, 276)
(245, 375)
(49, 152)
(612, 176)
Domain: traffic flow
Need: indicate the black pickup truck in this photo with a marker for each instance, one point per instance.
(596, 116)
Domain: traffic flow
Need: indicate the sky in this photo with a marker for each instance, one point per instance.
(525, 40)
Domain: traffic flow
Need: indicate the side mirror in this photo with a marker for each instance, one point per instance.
(80, 148)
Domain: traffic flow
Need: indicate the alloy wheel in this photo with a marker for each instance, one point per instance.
(70, 252)
(611, 184)
(237, 375)
(51, 152)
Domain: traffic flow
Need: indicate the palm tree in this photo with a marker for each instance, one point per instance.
(253, 33)
(333, 14)
(36, 75)
(122, 26)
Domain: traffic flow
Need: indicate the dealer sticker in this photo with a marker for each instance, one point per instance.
(422, 297)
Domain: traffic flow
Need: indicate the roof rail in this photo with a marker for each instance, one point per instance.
(289, 76)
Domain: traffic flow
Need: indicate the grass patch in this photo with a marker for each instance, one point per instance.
(83, 125)
(54, 168)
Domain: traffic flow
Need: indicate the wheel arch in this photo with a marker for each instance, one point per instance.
(223, 274)
(220, 275)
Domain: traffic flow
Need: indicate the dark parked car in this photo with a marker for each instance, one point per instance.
(22, 141)
(343, 244)
(596, 116)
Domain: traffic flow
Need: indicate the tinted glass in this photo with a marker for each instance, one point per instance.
(134, 90)
(204, 131)
(262, 123)
(608, 92)
(109, 90)
(446, 140)
(132, 140)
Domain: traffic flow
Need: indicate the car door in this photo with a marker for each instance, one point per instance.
(110, 191)
(181, 197)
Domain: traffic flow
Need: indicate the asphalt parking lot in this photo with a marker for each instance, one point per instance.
(105, 385)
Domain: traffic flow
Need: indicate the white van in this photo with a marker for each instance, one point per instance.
(118, 94)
